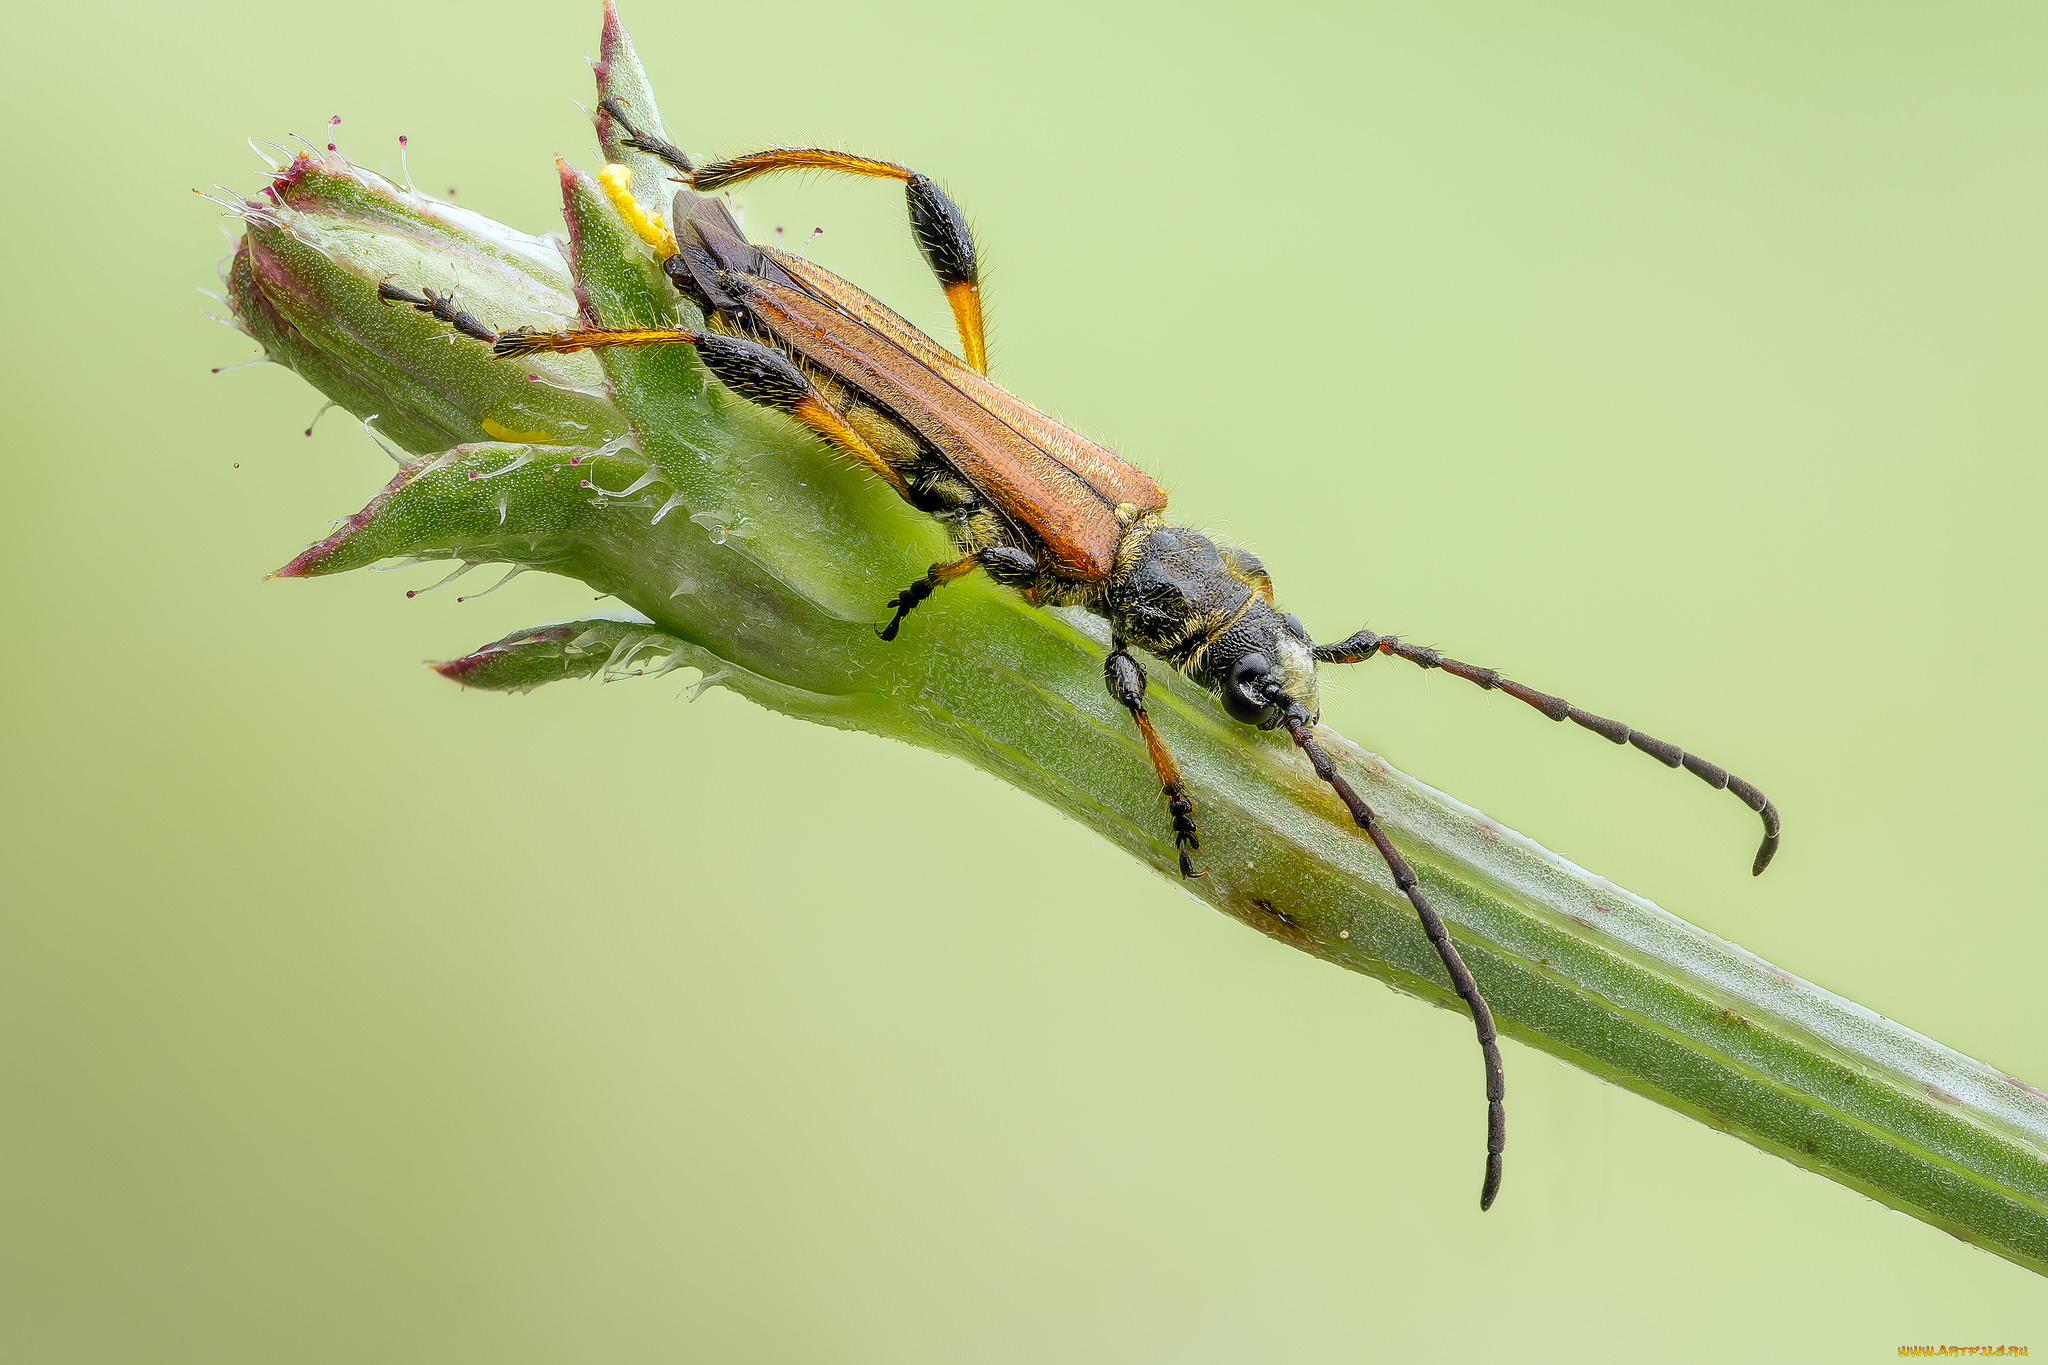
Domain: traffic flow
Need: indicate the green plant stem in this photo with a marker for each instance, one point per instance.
(751, 557)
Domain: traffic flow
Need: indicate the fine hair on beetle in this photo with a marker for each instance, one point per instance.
(1041, 510)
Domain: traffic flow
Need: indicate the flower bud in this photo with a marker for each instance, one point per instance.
(323, 235)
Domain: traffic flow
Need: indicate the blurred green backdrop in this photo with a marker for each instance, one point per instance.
(1688, 364)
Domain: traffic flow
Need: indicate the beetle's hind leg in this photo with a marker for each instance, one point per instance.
(936, 221)
(1126, 681)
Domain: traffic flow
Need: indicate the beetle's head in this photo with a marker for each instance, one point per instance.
(1259, 664)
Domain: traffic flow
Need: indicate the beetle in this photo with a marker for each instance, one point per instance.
(1040, 509)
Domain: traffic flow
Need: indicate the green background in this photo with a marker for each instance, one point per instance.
(1686, 363)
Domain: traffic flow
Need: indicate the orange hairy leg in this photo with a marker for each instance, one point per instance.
(936, 221)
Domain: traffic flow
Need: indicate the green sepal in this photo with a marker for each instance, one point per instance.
(615, 650)
(621, 77)
(570, 649)
(492, 503)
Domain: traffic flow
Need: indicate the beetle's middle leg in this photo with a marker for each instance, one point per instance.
(935, 220)
(1126, 681)
(757, 373)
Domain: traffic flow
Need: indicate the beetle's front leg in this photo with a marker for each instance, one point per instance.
(1126, 682)
(1005, 564)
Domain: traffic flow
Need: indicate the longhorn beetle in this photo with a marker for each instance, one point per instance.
(1038, 508)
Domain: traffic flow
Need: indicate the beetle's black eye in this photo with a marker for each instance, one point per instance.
(1243, 694)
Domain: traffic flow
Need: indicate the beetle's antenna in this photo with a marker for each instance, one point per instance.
(1365, 644)
(1296, 717)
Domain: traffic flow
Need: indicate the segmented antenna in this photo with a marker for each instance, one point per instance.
(1296, 717)
(1365, 644)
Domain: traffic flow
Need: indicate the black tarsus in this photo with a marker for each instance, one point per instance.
(1125, 679)
(642, 142)
(1296, 718)
(912, 597)
(1006, 564)
(1365, 644)
(441, 306)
